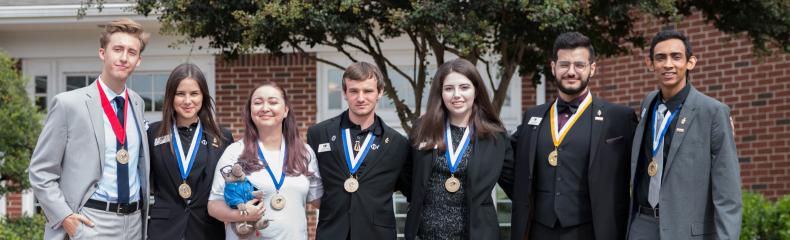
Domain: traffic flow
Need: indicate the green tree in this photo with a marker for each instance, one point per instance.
(21, 124)
(515, 36)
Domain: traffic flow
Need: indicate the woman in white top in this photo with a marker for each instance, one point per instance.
(277, 161)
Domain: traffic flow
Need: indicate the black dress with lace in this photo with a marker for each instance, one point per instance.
(445, 215)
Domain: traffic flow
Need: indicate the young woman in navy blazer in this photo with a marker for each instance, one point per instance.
(185, 147)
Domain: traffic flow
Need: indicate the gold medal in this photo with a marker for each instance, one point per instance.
(122, 156)
(351, 185)
(277, 202)
(652, 168)
(356, 146)
(184, 190)
(452, 184)
(553, 158)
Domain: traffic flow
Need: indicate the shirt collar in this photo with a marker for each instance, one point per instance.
(109, 92)
(675, 101)
(345, 122)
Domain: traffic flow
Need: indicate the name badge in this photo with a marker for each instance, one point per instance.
(324, 147)
(534, 121)
(160, 140)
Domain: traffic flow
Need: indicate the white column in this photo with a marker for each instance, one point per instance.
(540, 91)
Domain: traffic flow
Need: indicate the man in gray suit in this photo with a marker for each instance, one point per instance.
(90, 168)
(684, 166)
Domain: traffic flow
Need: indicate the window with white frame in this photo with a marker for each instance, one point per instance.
(331, 103)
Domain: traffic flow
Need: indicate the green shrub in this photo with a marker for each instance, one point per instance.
(783, 220)
(23, 228)
(757, 217)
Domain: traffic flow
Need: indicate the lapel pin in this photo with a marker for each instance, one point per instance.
(204, 142)
(386, 140)
(680, 130)
(374, 146)
(683, 121)
(215, 143)
(333, 138)
(599, 117)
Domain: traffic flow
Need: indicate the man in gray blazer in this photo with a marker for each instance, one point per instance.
(90, 167)
(684, 166)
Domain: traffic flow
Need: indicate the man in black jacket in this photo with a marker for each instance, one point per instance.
(360, 159)
(572, 156)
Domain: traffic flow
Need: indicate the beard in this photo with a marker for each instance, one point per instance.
(571, 90)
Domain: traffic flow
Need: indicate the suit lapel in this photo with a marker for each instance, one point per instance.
(684, 120)
(170, 161)
(373, 156)
(535, 129)
(201, 160)
(636, 146)
(479, 153)
(93, 103)
(597, 113)
(333, 135)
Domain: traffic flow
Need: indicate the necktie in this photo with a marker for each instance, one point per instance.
(655, 181)
(122, 169)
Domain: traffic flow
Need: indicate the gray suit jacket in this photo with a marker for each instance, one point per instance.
(701, 187)
(67, 163)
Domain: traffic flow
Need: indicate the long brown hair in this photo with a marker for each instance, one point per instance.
(206, 113)
(297, 156)
(430, 128)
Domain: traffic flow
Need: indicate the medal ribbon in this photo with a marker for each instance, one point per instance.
(572, 120)
(453, 155)
(277, 184)
(664, 126)
(350, 153)
(194, 147)
(120, 131)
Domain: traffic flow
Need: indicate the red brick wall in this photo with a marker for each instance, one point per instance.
(757, 90)
(235, 79)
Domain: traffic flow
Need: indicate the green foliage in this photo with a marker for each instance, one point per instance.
(20, 123)
(783, 220)
(23, 228)
(516, 36)
(764, 220)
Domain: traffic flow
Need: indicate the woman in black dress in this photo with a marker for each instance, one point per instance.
(460, 151)
(185, 147)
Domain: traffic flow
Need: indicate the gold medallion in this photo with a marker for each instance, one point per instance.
(356, 146)
(277, 202)
(553, 158)
(122, 156)
(351, 185)
(184, 190)
(452, 184)
(652, 168)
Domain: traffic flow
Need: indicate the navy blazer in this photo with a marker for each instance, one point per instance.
(171, 216)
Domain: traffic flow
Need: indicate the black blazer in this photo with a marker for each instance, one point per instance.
(491, 161)
(610, 150)
(367, 213)
(172, 217)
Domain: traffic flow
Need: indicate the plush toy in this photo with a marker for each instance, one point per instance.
(238, 191)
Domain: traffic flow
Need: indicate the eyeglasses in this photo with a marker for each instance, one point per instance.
(564, 66)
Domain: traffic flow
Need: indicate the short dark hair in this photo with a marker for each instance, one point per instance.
(667, 35)
(361, 71)
(572, 40)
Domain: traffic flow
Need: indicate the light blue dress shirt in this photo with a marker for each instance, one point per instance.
(108, 186)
